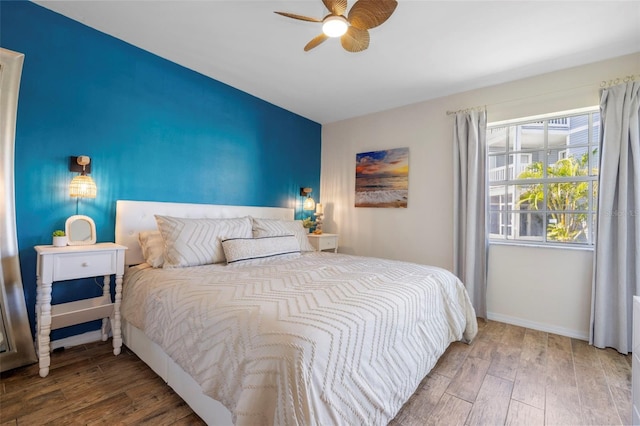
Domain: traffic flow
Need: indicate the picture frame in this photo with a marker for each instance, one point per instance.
(382, 178)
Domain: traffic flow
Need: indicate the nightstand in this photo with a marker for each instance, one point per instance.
(324, 242)
(72, 262)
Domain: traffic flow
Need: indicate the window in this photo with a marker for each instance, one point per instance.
(543, 179)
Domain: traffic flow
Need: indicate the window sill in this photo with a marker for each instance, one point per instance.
(540, 245)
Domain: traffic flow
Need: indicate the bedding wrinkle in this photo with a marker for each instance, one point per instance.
(318, 339)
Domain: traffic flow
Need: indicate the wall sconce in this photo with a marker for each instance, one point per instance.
(308, 204)
(82, 186)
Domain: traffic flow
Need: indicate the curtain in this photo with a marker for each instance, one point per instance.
(617, 251)
(469, 206)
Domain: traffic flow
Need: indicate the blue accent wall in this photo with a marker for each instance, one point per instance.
(154, 130)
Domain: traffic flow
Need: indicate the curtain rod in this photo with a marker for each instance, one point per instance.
(618, 80)
(476, 108)
(603, 85)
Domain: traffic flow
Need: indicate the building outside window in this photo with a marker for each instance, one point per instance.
(543, 177)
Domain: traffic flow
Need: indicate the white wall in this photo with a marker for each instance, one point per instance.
(527, 286)
(543, 288)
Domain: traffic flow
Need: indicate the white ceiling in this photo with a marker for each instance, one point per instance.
(427, 49)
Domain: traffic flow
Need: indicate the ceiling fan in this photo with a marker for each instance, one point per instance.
(352, 29)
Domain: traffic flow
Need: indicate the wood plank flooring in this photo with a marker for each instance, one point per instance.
(509, 375)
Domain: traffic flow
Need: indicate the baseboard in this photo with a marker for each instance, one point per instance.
(80, 339)
(538, 326)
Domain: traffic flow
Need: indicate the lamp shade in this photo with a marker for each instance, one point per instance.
(335, 26)
(83, 186)
(309, 204)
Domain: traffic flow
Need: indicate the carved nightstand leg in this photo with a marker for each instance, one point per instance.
(38, 303)
(106, 287)
(117, 333)
(44, 327)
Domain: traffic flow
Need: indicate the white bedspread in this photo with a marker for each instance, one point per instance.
(319, 339)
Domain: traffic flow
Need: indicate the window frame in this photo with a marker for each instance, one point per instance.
(509, 215)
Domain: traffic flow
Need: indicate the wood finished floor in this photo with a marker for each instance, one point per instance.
(509, 375)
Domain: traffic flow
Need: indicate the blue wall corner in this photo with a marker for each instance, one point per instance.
(154, 130)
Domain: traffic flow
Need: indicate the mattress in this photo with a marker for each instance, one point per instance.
(318, 338)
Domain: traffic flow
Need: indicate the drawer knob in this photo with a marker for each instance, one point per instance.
(85, 264)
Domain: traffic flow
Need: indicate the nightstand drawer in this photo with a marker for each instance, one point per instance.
(82, 265)
(327, 243)
(324, 241)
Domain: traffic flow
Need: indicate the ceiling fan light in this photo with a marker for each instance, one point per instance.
(335, 26)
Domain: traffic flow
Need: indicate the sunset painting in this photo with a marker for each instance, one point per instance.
(382, 178)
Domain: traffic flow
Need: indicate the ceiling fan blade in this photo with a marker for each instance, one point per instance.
(300, 17)
(337, 7)
(315, 41)
(367, 14)
(355, 39)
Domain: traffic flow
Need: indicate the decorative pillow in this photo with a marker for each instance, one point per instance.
(277, 227)
(238, 250)
(193, 242)
(152, 246)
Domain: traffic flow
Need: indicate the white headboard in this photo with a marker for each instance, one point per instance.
(135, 216)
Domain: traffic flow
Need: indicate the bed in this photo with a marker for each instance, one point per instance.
(295, 337)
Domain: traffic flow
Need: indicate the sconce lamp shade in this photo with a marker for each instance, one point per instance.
(309, 204)
(83, 186)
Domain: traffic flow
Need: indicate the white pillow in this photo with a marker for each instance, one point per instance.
(193, 242)
(238, 250)
(278, 227)
(152, 246)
